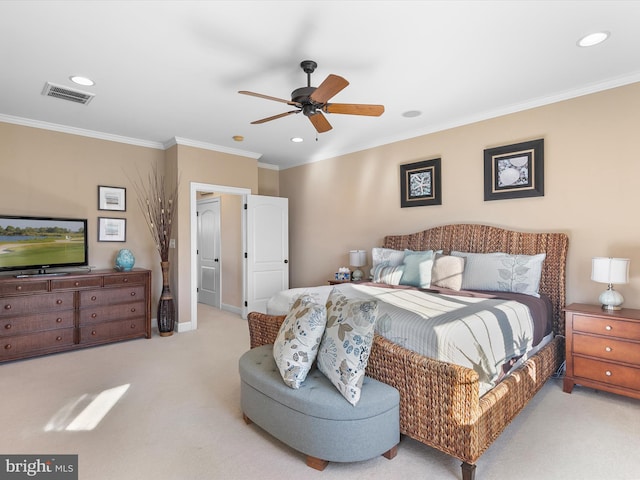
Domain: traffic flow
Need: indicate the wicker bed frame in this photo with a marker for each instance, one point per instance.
(440, 404)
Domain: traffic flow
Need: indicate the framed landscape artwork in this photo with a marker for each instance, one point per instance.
(112, 229)
(112, 198)
(420, 184)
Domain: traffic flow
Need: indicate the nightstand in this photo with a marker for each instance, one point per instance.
(603, 349)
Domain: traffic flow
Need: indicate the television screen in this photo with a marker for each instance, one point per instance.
(28, 243)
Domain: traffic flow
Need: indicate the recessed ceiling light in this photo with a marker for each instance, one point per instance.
(593, 39)
(412, 113)
(297, 140)
(87, 82)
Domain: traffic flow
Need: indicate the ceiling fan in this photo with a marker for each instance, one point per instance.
(312, 101)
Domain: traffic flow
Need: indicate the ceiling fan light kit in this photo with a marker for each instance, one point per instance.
(312, 101)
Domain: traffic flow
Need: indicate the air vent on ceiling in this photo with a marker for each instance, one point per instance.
(65, 93)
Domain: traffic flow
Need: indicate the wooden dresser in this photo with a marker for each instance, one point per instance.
(603, 349)
(40, 315)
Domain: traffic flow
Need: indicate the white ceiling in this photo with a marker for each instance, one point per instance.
(168, 70)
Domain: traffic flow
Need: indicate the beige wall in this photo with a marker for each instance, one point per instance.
(46, 173)
(592, 167)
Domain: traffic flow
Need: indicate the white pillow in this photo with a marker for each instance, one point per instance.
(447, 272)
(502, 272)
(386, 256)
(388, 275)
(296, 345)
(346, 343)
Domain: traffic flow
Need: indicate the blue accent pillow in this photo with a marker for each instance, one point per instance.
(417, 268)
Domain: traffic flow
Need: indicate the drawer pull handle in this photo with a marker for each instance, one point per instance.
(608, 328)
(133, 294)
(608, 373)
(93, 298)
(607, 349)
(94, 333)
(59, 302)
(133, 325)
(7, 306)
(94, 315)
(8, 326)
(133, 310)
(58, 338)
(76, 284)
(125, 280)
(19, 287)
(7, 346)
(58, 320)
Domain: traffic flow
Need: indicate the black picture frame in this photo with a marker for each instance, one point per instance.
(514, 171)
(420, 183)
(112, 198)
(112, 229)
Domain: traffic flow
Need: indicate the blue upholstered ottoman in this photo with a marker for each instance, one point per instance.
(316, 419)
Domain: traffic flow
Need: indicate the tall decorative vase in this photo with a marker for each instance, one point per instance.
(166, 309)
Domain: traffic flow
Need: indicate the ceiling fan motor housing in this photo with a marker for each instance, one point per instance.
(301, 95)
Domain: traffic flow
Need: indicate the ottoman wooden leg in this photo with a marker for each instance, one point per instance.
(317, 463)
(246, 419)
(391, 453)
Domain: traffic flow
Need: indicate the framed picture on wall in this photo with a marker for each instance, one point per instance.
(420, 184)
(112, 198)
(112, 229)
(514, 171)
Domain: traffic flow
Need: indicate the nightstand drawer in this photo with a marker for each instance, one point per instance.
(604, 372)
(606, 326)
(607, 348)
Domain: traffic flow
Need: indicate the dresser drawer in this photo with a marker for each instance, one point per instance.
(108, 296)
(36, 303)
(35, 323)
(606, 326)
(8, 288)
(104, 313)
(604, 372)
(73, 283)
(22, 345)
(607, 348)
(125, 279)
(112, 331)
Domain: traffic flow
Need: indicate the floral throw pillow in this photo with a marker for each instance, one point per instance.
(346, 343)
(296, 345)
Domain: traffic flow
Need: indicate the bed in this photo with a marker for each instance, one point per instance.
(440, 402)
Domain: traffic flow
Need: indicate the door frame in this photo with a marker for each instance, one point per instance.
(196, 187)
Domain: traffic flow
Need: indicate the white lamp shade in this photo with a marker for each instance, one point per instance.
(610, 270)
(357, 258)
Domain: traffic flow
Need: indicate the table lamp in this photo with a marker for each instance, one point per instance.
(610, 271)
(357, 258)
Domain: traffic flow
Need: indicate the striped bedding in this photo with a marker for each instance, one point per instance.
(481, 332)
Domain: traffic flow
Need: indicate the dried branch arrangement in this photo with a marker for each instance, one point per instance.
(159, 205)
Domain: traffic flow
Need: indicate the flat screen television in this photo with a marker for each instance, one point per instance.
(41, 243)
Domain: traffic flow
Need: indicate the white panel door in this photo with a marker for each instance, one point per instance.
(209, 252)
(267, 255)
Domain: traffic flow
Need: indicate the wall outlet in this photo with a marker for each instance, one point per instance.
(172, 243)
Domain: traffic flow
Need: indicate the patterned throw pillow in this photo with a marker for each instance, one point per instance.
(296, 345)
(385, 256)
(417, 268)
(346, 343)
(447, 272)
(502, 272)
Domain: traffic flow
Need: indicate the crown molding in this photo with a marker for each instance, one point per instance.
(210, 146)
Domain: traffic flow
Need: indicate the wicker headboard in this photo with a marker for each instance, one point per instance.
(487, 239)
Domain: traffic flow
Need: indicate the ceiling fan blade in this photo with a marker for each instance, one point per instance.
(275, 117)
(327, 89)
(276, 99)
(320, 122)
(354, 109)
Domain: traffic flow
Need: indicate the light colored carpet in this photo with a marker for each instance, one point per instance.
(180, 419)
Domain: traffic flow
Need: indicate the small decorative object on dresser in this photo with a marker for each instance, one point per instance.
(603, 349)
(125, 260)
(610, 271)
